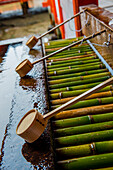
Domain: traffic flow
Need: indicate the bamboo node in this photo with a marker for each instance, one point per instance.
(91, 118)
(99, 100)
(60, 95)
(67, 88)
(55, 72)
(49, 64)
(81, 77)
(79, 51)
(93, 148)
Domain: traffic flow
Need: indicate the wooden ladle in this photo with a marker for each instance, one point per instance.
(25, 66)
(32, 125)
(33, 40)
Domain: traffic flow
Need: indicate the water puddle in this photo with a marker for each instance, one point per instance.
(18, 96)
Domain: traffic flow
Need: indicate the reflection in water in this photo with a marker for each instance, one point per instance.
(18, 96)
(28, 82)
(38, 153)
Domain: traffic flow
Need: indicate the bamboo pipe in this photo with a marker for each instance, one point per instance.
(33, 40)
(84, 138)
(84, 73)
(25, 66)
(74, 66)
(69, 58)
(83, 129)
(89, 102)
(84, 150)
(84, 111)
(69, 96)
(51, 82)
(41, 121)
(79, 82)
(73, 50)
(108, 168)
(87, 57)
(73, 63)
(75, 70)
(83, 120)
(86, 163)
(84, 86)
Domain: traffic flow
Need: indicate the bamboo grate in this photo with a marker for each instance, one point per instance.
(82, 134)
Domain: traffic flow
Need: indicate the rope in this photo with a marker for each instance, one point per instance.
(81, 28)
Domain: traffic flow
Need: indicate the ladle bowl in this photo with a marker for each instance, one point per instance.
(32, 42)
(24, 67)
(31, 126)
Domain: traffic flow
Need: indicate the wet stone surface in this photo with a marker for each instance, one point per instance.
(19, 95)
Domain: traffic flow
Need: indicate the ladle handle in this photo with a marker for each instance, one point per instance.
(71, 45)
(61, 24)
(78, 98)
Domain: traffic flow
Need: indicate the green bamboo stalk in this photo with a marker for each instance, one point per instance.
(72, 63)
(91, 102)
(86, 163)
(83, 129)
(70, 55)
(63, 44)
(94, 110)
(84, 138)
(56, 99)
(84, 73)
(71, 51)
(100, 109)
(79, 78)
(70, 60)
(85, 86)
(108, 168)
(73, 66)
(52, 44)
(79, 82)
(84, 150)
(76, 70)
(83, 120)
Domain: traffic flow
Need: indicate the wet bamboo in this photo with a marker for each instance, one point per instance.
(72, 50)
(73, 63)
(61, 42)
(76, 70)
(77, 92)
(108, 168)
(73, 66)
(86, 163)
(53, 47)
(69, 55)
(84, 150)
(69, 58)
(84, 138)
(84, 73)
(79, 78)
(51, 63)
(85, 86)
(84, 111)
(83, 120)
(89, 102)
(79, 82)
(75, 130)
(93, 96)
